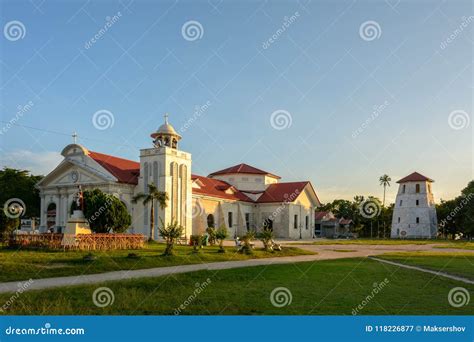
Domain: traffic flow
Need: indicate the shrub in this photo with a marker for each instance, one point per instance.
(170, 233)
(266, 236)
(196, 242)
(247, 242)
(221, 234)
(212, 235)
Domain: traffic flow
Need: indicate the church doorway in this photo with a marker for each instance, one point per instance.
(210, 221)
(51, 216)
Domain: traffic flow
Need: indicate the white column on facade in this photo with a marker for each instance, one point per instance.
(43, 211)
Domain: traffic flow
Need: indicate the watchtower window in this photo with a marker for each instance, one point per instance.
(417, 202)
(404, 188)
(417, 220)
(418, 188)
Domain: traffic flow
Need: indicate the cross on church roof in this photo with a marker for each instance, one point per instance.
(166, 118)
(74, 137)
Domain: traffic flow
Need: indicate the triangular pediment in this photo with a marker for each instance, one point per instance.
(71, 172)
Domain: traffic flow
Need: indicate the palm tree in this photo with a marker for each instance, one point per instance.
(153, 196)
(384, 180)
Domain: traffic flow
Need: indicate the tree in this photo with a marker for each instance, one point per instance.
(7, 225)
(104, 212)
(152, 197)
(170, 233)
(20, 184)
(385, 181)
(221, 234)
(466, 216)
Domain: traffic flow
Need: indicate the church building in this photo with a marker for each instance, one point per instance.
(241, 197)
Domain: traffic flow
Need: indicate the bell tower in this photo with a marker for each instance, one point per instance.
(170, 170)
(414, 214)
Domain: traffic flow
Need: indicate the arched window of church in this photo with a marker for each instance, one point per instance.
(210, 221)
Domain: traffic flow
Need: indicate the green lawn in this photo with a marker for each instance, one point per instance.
(24, 264)
(456, 244)
(331, 287)
(461, 264)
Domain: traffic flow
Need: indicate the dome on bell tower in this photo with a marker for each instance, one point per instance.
(166, 135)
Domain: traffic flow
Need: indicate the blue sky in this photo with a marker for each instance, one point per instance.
(322, 72)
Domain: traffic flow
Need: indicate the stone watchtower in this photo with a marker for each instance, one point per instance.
(414, 214)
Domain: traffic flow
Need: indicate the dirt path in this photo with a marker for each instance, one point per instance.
(325, 252)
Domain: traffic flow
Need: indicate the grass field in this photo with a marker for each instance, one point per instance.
(23, 264)
(449, 243)
(331, 287)
(461, 264)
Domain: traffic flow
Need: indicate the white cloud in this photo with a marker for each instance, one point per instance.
(39, 163)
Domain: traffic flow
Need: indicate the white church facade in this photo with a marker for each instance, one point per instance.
(414, 214)
(240, 197)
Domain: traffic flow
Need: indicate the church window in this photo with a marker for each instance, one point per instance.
(247, 221)
(417, 188)
(307, 221)
(417, 220)
(210, 221)
(295, 222)
(399, 220)
(404, 188)
(417, 202)
(230, 219)
(401, 203)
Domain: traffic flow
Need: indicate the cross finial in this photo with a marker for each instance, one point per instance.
(74, 137)
(166, 118)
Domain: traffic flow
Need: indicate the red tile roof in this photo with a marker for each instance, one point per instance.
(282, 192)
(217, 188)
(415, 177)
(243, 168)
(319, 215)
(126, 171)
